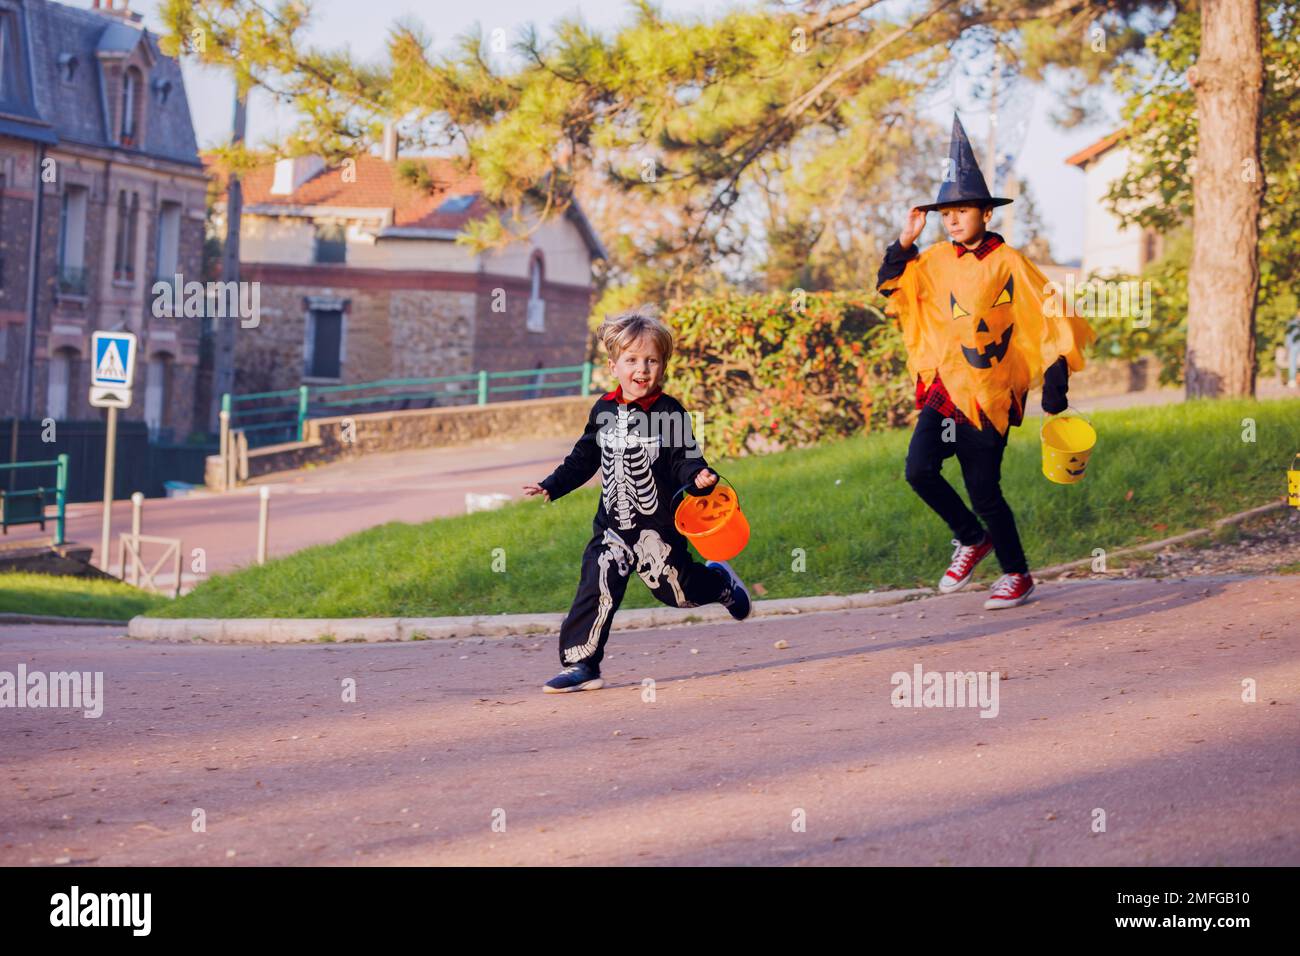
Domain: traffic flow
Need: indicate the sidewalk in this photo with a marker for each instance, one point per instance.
(320, 505)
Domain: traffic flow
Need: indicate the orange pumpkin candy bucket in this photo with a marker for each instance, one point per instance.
(713, 521)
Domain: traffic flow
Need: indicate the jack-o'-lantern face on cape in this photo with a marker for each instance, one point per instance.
(982, 324)
(984, 333)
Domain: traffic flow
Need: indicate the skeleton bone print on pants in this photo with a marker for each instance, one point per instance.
(627, 483)
(652, 563)
(615, 552)
(649, 557)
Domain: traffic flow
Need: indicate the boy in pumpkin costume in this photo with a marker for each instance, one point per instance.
(979, 335)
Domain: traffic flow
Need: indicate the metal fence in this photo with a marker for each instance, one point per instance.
(267, 418)
(138, 466)
(43, 492)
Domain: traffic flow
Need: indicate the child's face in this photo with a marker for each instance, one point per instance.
(639, 368)
(965, 223)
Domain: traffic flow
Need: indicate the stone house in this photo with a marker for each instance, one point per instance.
(101, 192)
(361, 278)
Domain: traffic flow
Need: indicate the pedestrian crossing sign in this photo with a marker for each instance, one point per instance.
(114, 354)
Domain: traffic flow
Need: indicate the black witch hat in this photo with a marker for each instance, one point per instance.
(962, 182)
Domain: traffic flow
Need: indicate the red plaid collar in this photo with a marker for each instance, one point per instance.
(991, 241)
(936, 396)
(644, 401)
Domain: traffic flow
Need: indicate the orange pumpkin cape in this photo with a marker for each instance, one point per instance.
(988, 326)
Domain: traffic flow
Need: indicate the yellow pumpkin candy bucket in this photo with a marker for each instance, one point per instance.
(1067, 442)
(1293, 483)
(713, 522)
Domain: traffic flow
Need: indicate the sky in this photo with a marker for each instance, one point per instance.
(363, 27)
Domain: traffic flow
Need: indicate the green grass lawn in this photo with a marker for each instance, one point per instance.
(64, 596)
(844, 504)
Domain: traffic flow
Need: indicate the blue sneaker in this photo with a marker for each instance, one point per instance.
(736, 600)
(574, 677)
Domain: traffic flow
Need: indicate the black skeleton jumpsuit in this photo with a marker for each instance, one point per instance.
(645, 451)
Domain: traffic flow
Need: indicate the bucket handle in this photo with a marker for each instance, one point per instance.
(703, 492)
(1077, 412)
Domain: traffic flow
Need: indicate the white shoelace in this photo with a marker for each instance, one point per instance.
(1003, 586)
(968, 549)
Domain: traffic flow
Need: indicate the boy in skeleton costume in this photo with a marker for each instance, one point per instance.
(640, 439)
(980, 331)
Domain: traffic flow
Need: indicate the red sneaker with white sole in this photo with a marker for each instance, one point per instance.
(1010, 590)
(964, 560)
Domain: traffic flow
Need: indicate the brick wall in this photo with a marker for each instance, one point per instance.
(389, 332)
(60, 313)
(15, 247)
(15, 243)
(502, 340)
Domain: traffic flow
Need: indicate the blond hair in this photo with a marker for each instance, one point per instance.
(620, 331)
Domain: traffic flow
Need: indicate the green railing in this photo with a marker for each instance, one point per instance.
(60, 466)
(267, 417)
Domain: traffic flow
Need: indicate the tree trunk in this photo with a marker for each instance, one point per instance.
(223, 372)
(1223, 279)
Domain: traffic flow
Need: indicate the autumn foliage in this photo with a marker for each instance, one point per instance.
(788, 369)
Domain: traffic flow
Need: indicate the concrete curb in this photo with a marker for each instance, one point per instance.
(385, 629)
(382, 629)
(8, 618)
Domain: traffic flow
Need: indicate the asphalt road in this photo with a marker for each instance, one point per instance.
(1122, 698)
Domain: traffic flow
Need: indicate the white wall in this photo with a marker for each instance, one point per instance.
(281, 239)
(1107, 248)
(563, 249)
(438, 255)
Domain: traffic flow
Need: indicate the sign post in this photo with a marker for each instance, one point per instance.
(110, 387)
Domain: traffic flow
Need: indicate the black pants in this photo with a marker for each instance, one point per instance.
(979, 452)
(662, 561)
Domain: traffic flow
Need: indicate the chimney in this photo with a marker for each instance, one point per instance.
(293, 172)
(390, 142)
(115, 8)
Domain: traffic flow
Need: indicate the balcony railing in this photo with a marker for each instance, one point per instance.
(72, 280)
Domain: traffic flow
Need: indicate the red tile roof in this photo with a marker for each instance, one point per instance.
(378, 184)
(1083, 156)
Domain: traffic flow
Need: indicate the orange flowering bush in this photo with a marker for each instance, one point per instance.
(788, 369)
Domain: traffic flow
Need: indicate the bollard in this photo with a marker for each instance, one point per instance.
(225, 446)
(263, 509)
(232, 460)
(110, 458)
(137, 508)
(302, 410)
(61, 499)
